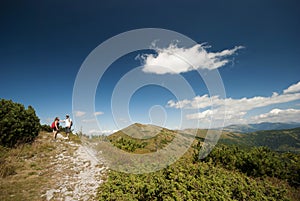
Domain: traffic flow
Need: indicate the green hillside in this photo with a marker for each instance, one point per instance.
(139, 138)
(287, 140)
(228, 173)
(277, 140)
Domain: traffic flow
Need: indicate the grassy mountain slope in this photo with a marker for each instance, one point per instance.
(278, 140)
(139, 138)
(220, 177)
(27, 170)
(134, 138)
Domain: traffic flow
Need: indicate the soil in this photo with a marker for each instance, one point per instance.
(76, 173)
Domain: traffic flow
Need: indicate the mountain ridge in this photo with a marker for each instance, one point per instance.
(248, 128)
(283, 140)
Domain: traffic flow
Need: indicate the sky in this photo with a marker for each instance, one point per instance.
(253, 46)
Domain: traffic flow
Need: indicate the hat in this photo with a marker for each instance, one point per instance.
(67, 115)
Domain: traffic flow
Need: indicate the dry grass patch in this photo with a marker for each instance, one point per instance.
(27, 170)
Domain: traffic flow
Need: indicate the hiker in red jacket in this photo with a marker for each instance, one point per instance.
(55, 127)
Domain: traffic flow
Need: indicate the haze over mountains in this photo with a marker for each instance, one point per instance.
(248, 128)
(283, 137)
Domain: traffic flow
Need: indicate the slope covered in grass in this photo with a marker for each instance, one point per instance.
(277, 140)
(139, 138)
(210, 179)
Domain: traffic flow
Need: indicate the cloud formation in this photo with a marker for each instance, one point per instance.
(79, 113)
(293, 88)
(98, 113)
(202, 102)
(278, 115)
(175, 60)
(89, 120)
(236, 109)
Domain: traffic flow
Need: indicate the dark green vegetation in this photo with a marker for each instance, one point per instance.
(47, 128)
(287, 140)
(228, 173)
(17, 124)
(142, 142)
(277, 140)
(258, 162)
(187, 181)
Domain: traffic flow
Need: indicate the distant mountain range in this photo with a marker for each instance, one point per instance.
(287, 140)
(139, 138)
(248, 128)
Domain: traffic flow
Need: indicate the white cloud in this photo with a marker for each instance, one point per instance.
(89, 120)
(293, 89)
(278, 115)
(217, 115)
(175, 60)
(243, 104)
(98, 113)
(101, 132)
(92, 119)
(236, 109)
(201, 115)
(79, 113)
(198, 102)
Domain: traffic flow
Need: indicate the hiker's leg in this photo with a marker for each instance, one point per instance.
(55, 134)
(68, 132)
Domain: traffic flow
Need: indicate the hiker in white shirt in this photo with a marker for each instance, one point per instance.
(68, 125)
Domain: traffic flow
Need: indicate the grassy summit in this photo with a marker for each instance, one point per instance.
(139, 138)
(228, 173)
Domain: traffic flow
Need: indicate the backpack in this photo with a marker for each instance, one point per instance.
(53, 125)
(71, 123)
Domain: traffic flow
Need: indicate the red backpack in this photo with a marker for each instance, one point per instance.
(53, 125)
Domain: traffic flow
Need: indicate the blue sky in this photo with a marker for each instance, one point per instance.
(44, 44)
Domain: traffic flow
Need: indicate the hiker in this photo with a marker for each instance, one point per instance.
(55, 127)
(68, 124)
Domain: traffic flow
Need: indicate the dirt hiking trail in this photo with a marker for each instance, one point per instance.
(76, 173)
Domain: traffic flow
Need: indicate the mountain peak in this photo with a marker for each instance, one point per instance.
(142, 131)
(248, 128)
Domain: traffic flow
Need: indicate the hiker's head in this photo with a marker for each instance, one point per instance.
(56, 119)
(67, 116)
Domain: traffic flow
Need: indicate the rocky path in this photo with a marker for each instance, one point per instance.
(76, 174)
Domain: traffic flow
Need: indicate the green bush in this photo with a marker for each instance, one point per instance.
(46, 127)
(187, 181)
(258, 162)
(128, 144)
(17, 124)
(228, 173)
